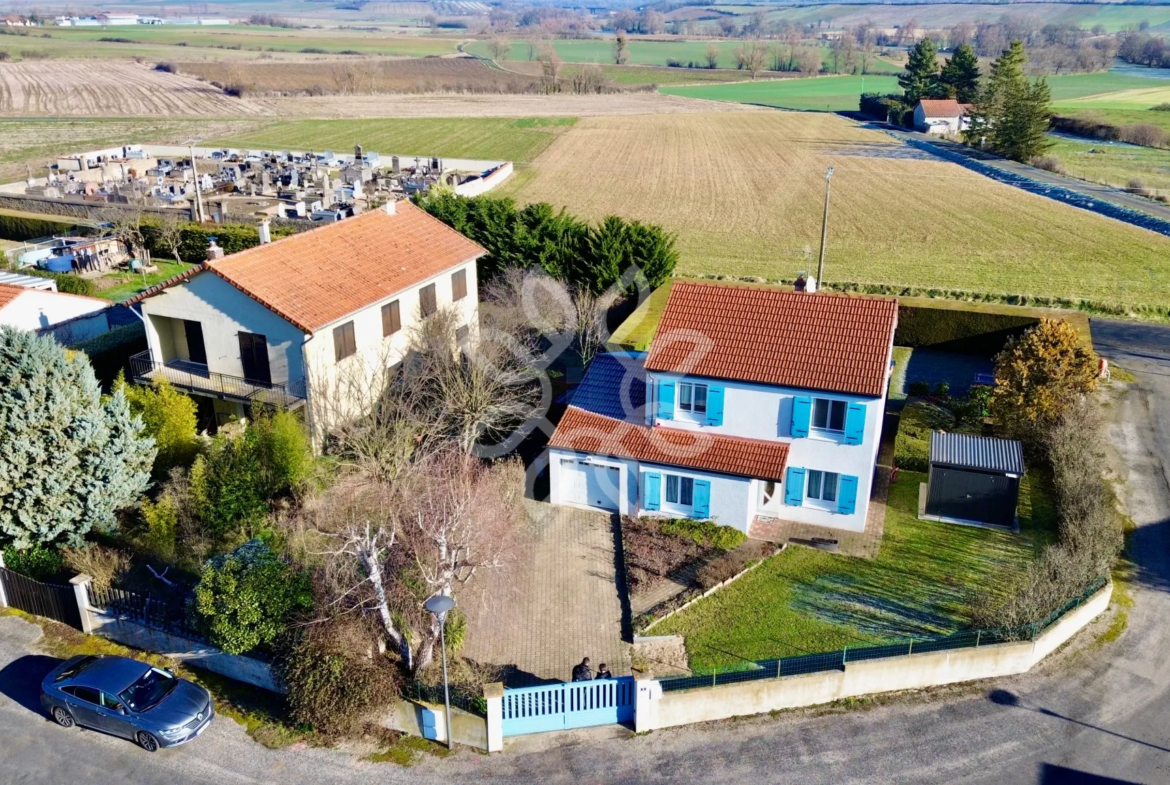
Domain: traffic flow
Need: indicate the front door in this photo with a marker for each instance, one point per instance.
(196, 349)
(254, 356)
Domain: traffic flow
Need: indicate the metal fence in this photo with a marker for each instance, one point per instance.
(161, 612)
(51, 600)
(836, 660)
(433, 693)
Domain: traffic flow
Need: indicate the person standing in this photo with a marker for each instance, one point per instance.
(603, 672)
(582, 671)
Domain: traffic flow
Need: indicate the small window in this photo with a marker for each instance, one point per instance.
(344, 342)
(692, 397)
(828, 415)
(680, 490)
(86, 694)
(822, 485)
(458, 285)
(769, 491)
(391, 318)
(427, 304)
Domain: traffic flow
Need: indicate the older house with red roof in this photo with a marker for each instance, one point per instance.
(316, 318)
(943, 116)
(751, 404)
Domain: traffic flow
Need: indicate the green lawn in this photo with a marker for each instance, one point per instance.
(124, 285)
(492, 138)
(824, 93)
(1115, 164)
(806, 601)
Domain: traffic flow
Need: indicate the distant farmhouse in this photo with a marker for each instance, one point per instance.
(941, 116)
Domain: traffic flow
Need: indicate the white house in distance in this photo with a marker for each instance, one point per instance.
(942, 116)
(308, 319)
(68, 317)
(751, 404)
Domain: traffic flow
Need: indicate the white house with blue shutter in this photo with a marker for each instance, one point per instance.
(752, 404)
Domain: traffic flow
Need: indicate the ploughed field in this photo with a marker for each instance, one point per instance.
(744, 192)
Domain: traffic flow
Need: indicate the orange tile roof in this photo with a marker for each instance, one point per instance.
(829, 342)
(943, 107)
(316, 277)
(8, 293)
(584, 431)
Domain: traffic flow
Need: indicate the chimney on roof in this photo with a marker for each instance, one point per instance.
(265, 233)
(390, 207)
(214, 252)
(357, 154)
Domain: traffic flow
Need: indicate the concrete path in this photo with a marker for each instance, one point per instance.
(565, 606)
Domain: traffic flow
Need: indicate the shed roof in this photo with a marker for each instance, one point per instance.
(829, 342)
(982, 453)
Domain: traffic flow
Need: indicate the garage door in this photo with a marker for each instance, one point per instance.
(590, 484)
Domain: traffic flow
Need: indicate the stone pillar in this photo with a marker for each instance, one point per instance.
(81, 593)
(494, 695)
(648, 694)
(3, 593)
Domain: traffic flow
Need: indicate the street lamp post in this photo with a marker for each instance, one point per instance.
(195, 171)
(824, 231)
(440, 605)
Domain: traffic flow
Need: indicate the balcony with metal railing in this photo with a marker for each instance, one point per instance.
(197, 378)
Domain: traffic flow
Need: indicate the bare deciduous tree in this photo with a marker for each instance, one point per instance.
(170, 234)
(712, 55)
(499, 48)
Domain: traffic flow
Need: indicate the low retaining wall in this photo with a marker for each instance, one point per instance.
(411, 717)
(658, 709)
(485, 184)
(198, 655)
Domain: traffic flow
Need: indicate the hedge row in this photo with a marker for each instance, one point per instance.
(20, 228)
(66, 282)
(195, 239)
(109, 353)
(972, 331)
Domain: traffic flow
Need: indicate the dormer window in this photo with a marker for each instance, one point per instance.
(692, 397)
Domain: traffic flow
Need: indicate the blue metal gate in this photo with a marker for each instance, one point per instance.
(563, 706)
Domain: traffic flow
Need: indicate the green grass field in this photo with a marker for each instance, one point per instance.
(824, 93)
(1079, 86)
(1115, 164)
(805, 601)
(173, 40)
(492, 138)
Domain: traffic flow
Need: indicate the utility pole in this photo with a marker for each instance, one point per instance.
(824, 231)
(195, 171)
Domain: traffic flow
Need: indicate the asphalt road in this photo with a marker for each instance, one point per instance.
(1103, 193)
(1090, 713)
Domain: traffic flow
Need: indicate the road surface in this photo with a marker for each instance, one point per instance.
(1097, 710)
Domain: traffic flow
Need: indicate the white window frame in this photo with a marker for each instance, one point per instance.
(829, 404)
(691, 410)
(770, 504)
(819, 500)
(680, 479)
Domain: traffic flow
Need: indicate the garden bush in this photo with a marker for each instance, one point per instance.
(104, 565)
(706, 533)
(66, 282)
(336, 677)
(284, 453)
(169, 417)
(247, 598)
(109, 353)
(40, 562)
(961, 330)
(226, 488)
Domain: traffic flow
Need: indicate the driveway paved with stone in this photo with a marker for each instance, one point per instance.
(565, 604)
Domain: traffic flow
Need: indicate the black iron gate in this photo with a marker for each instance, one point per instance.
(51, 600)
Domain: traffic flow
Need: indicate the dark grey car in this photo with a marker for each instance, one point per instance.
(127, 698)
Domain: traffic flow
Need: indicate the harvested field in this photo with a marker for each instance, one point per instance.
(364, 75)
(745, 192)
(493, 105)
(77, 88)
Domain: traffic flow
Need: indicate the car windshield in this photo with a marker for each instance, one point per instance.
(145, 693)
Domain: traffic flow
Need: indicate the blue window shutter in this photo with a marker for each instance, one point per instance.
(702, 499)
(715, 404)
(801, 416)
(855, 423)
(794, 486)
(846, 495)
(653, 500)
(666, 401)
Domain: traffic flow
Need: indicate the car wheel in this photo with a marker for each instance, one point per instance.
(63, 718)
(147, 742)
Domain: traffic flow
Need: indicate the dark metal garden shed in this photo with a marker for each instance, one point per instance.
(973, 479)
